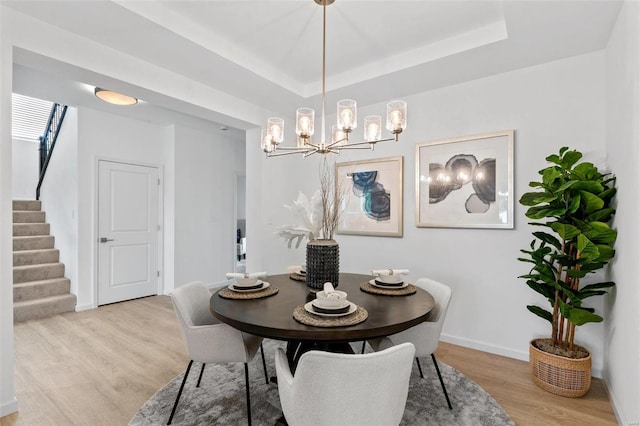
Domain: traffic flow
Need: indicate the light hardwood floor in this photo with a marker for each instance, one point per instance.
(98, 367)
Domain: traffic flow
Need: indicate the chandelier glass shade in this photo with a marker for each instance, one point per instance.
(346, 122)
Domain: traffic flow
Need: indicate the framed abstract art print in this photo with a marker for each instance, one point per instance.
(370, 193)
(466, 182)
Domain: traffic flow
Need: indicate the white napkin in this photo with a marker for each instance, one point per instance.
(329, 291)
(251, 275)
(378, 272)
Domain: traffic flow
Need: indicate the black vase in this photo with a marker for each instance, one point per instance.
(323, 264)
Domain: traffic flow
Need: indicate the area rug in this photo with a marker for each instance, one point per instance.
(220, 399)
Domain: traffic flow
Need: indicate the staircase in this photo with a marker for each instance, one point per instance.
(39, 286)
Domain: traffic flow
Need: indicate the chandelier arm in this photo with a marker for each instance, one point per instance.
(292, 148)
(358, 147)
(367, 142)
(279, 154)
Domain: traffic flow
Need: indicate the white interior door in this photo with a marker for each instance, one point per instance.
(128, 231)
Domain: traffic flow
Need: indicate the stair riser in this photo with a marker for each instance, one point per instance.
(23, 274)
(35, 309)
(40, 289)
(33, 243)
(27, 205)
(21, 229)
(36, 257)
(28, 217)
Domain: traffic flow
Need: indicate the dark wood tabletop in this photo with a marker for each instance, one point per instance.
(273, 316)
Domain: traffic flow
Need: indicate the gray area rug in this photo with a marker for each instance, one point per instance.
(220, 399)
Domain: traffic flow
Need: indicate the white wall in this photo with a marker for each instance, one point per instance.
(622, 340)
(106, 136)
(26, 160)
(204, 206)
(549, 106)
(8, 401)
(59, 196)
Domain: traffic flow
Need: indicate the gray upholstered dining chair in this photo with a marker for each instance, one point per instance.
(424, 336)
(344, 389)
(210, 341)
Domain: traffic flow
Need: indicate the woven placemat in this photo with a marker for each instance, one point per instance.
(405, 291)
(307, 318)
(298, 277)
(226, 293)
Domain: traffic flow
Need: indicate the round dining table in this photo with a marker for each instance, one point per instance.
(272, 316)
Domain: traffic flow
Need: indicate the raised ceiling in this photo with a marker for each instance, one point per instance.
(268, 52)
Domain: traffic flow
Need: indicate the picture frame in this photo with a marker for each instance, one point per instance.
(371, 199)
(466, 182)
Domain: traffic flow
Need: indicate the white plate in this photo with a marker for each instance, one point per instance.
(309, 308)
(240, 290)
(388, 287)
(316, 303)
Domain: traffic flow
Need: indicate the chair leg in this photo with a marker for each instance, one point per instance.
(419, 368)
(364, 343)
(200, 376)
(264, 365)
(433, 357)
(246, 382)
(175, 404)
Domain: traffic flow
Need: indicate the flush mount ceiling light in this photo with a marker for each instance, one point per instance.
(273, 135)
(114, 97)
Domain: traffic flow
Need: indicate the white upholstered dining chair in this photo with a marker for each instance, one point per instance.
(344, 389)
(208, 340)
(424, 336)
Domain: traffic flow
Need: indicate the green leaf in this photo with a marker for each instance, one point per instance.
(548, 238)
(591, 202)
(589, 186)
(607, 194)
(562, 188)
(553, 158)
(535, 198)
(542, 313)
(587, 249)
(606, 284)
(579, 316)
(565, 231)
(544, 211)
(549, 175)
(603, 215)
(606, 252)
(575, 204)
(600, 233)
(563, 150)
(586, 171)
(570, 158)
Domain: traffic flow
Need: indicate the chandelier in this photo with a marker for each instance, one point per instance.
(273, 135)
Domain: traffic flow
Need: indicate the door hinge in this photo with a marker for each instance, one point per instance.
(158, 181)
(158, 227)
(158, 274)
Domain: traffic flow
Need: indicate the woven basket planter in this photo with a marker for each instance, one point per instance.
(323, 263)
(560, 375)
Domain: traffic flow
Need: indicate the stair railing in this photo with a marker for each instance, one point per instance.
(48, 140)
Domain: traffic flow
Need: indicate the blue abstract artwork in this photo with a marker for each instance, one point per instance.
(376, 200)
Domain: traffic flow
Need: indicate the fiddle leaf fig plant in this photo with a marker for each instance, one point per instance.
(571, 205)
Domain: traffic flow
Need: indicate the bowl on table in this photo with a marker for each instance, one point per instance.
(247, 283)
(334, 300)
(390, 279)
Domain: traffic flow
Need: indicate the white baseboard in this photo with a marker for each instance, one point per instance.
(497, 350)
(620, 417)
(85, 307)
(9, 407)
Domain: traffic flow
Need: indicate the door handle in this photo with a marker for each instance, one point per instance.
(105, 239)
